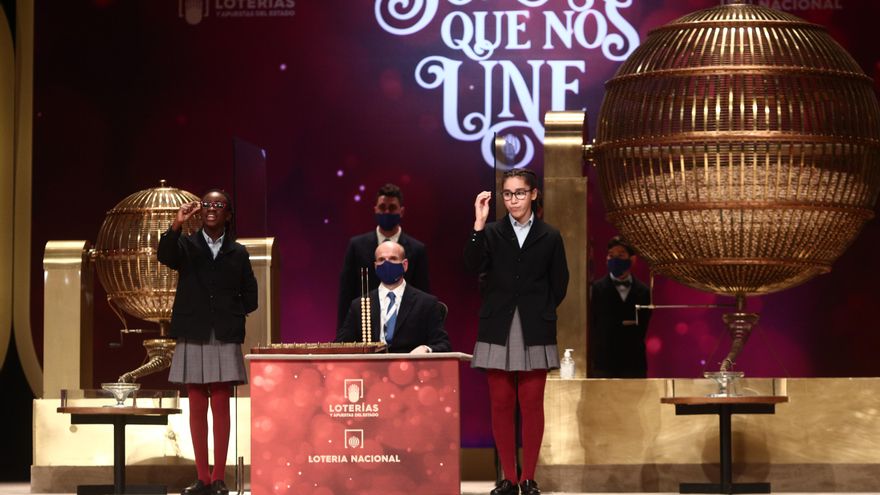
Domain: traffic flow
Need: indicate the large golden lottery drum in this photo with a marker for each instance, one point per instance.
(738, 150)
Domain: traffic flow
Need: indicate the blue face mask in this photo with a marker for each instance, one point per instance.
(389, 273)
(618, 267)
(387, 221)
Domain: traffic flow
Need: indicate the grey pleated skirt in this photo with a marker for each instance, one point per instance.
(207, 362)
(515, 355)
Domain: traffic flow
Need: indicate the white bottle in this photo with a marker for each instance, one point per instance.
(566, 366)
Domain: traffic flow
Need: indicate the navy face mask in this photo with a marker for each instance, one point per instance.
(387, 221)
(618, 267)
(389, 273)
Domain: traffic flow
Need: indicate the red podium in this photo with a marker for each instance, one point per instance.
(355, 423)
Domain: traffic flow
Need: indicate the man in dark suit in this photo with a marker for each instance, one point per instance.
(617, 337)
(404, 317)
(388, 210)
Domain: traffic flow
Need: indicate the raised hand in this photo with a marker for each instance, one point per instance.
(186, 211)
(481, 209)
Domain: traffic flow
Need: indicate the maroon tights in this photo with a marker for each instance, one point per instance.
(504, 386)
(219, 394)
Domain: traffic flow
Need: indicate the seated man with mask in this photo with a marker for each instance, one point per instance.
(388, 212)
(405, 318)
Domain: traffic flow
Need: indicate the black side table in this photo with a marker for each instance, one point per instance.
(724, 407)
(118, 417)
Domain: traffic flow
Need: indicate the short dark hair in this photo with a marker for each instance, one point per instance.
(523, 173)
(619, 241)
(391, 191)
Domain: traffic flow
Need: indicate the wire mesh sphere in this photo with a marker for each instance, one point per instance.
(125, 252)
(738, 150)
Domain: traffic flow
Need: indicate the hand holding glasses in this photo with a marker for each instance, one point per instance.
(186, 211)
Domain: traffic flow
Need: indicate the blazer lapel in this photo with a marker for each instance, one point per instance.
(406, 305)
(198, 239)
(507, 231)
(538, 230)
(226, 247)
(403, 240)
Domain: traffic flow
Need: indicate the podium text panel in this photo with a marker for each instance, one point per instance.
(361, 426)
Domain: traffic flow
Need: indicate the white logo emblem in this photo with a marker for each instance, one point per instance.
(354, 390)
(192, 10)
(354, 439)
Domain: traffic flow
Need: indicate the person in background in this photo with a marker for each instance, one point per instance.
(523, 278)
(216, 289)
(388, 212)
(617, 337)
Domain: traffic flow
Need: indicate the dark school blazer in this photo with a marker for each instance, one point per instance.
(533, 278)
(212, 294)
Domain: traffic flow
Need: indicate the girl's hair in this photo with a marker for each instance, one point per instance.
(230, 223)
(523, 173)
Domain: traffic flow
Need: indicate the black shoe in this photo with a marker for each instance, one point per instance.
(506, 487)
(197, 488)
(218, 487)
(529, 487)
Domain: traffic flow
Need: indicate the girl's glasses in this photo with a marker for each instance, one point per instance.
(213, 204)
(519, 194)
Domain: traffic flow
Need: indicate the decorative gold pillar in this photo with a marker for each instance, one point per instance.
(565, 207)
(263, 325)
(7, 177)
(24, 124)
(68, 303)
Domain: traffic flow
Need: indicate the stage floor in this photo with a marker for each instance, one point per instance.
(467, 488)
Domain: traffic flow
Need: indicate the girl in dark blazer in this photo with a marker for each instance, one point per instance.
(215, 290)
(524, 277)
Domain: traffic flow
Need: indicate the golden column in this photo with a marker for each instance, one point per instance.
(565, 207)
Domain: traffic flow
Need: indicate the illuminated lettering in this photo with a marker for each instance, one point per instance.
(510, 100)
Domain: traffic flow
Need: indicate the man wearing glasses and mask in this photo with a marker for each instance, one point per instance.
(388, 212)
(405, 318)
(617, 337)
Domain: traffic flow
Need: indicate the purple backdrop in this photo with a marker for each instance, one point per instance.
(130, 92)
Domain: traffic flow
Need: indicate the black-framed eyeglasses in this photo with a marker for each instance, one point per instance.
(213, 204)
(519, 194)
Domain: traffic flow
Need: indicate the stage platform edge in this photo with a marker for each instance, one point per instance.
(601, 436)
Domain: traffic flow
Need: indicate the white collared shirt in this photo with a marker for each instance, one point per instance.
(384, 303)
(213, 245)
(521, 230)
(622, 289)
(381, 237)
